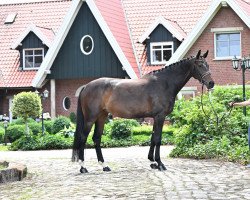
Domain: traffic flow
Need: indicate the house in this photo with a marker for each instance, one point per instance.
(61, 45)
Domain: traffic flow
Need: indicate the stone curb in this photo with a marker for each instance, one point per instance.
(12, 172)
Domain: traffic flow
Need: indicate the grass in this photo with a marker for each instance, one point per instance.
(3, 148)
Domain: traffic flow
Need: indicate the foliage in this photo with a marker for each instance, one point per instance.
(122, 128)
(208, 128)
(15, 132)
(48, 141)
(25, 105)
(35, 127)
(2, 132)
(48, 125)
(59, 124)
(72, 117)
(68, 132)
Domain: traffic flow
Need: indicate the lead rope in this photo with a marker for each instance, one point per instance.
(217, 117)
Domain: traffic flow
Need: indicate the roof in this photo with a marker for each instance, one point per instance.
(46, 16)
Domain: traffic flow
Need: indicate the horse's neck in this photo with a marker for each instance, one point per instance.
(178, 76)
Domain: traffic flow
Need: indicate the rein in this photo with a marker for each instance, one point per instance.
(218, 120)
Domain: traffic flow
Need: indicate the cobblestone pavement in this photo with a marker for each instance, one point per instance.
(51, 175)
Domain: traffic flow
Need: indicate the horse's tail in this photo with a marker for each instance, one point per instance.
(78, 139)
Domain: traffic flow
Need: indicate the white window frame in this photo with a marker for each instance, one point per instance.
(81, 45)
(64, 107)
(153, 44)
(215, 45)
(33, 49)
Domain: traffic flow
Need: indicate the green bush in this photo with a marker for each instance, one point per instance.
(59, 124)
(20, 121)
(15, 132)
(72, 117)
(122, 128)
(2, 132)
(35, 127)
(26, 142)
(48, 125)
(208, 128)
(32, 142)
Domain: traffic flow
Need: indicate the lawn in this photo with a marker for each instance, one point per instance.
(3, 148)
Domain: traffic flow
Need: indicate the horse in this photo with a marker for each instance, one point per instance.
(153, 95)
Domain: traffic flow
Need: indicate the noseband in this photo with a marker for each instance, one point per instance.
(202, 76)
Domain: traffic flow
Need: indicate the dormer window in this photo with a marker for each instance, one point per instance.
(32, 58)
(160, 52)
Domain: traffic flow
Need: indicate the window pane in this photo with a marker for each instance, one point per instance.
(87, 44)
(222, 49)
(28, 62)
(38, 52)
(235, 36)
(167, 46)
(167, 55)
(157, 56)
(222, 37)
(234, 48)
(38, 61)
(28, 52)
(156, 47)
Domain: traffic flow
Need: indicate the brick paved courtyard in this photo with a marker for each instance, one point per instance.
(51, 175)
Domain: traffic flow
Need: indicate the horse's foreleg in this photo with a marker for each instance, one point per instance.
(158, 124)
(99, 126)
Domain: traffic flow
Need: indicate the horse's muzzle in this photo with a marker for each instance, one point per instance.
(210, 84)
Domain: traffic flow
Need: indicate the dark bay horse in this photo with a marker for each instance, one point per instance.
(151, 96)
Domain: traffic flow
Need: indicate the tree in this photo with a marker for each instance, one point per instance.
(25, 105)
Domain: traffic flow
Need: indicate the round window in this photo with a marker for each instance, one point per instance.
(66, 103)
(87, 44)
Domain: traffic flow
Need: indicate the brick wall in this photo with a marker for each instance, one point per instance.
(67, 88)
(222, 71)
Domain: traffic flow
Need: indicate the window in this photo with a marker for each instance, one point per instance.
(87, 44)
(227, 45)
(66, 103)
(32, 58)
(160, 52)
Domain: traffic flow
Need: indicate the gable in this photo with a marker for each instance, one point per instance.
(70, 62)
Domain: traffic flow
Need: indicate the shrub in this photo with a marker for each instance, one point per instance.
(20, 121)
(48, 125)
(26, 142)
(72, 117)
(54, 142)
(15, 132)
(35, 127)
(60, 123)
(2, 132)
(121, 128)
(206, 128)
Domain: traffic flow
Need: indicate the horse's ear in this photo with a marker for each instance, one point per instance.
(205, 54)
(198, 54)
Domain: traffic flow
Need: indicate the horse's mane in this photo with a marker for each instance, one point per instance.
(170, 67)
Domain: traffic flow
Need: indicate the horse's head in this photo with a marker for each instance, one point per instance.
(201, 70)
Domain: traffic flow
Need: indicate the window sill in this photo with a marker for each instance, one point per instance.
(224, 59)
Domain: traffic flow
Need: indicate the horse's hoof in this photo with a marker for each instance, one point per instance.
(106, 169)
(83, 170)
(162, 168)
(154, 166)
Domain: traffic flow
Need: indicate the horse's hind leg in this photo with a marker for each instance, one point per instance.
(99, 126)
(86, 131)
